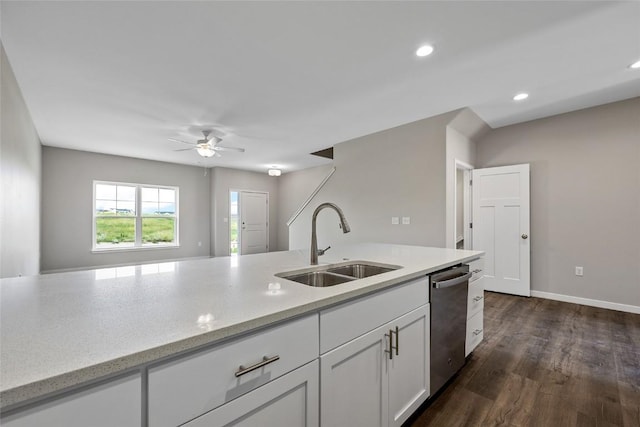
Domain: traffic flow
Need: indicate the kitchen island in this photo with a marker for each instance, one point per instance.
(62, 331)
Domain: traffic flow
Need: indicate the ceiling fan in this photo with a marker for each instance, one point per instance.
(208, 146)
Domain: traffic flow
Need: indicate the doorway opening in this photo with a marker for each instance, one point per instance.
(462, 206)
(234, 236)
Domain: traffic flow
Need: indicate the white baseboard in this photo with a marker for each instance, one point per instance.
(586, 301)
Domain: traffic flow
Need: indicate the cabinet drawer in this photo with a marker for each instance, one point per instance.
(477, 268)
(291, 400)
(475, 304)
(474, 332)
(352, 319)
(194, 384)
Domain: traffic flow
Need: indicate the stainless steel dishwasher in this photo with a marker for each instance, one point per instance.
(449, 290)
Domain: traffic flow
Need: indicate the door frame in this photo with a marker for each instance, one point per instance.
(239, 191)
(467, 203)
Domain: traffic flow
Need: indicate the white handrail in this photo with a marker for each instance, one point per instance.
(306, 202)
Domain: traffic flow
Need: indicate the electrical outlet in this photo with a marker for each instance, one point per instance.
(579, 271)
(395, 220)
(406, 220)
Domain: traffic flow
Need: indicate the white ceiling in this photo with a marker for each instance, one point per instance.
(283, 79)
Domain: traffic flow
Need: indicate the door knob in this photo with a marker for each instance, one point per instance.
(524, 236)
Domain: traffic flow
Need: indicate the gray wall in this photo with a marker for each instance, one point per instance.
(67, 188)
(585, 198)
(396, 172)
(20, 177)
(222, 181)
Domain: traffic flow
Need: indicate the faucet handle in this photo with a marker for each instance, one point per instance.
(322, 251)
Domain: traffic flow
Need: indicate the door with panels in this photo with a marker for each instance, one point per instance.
(501, 227)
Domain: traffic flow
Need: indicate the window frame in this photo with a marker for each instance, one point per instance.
(138, 217)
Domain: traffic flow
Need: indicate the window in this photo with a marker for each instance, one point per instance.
(134, 216)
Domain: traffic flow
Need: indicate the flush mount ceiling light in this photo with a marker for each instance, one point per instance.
(275, 172)
(521, 96)
(424, 50)
(635, 65)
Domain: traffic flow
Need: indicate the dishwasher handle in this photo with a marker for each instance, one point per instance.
(452, 282)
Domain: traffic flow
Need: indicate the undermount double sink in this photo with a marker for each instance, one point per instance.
(330, 275)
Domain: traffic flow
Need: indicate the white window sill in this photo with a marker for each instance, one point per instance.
(133, 248)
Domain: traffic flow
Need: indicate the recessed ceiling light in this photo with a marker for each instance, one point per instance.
(635, 65)
(424, 50)
(520, 96)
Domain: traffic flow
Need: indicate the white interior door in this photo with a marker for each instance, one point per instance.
(501, 227)
(254, 221)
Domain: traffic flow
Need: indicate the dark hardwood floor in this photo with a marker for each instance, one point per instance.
(545, 363)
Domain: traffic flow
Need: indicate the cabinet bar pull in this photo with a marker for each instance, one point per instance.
(265, 361)
(477, 332)
(397, 341)
(478, 298)
(391, 347)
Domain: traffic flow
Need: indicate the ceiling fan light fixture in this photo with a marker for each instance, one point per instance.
(521, 97)
(274, 172)
(424, 50)
(205, 151)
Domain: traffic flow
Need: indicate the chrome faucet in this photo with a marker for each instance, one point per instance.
(314, 238)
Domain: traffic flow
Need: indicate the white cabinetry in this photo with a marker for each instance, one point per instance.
(116, 403)
(291, 401)
(475, 306)
(380, 377)
(195, 384)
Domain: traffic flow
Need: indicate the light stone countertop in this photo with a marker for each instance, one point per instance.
(62, 330)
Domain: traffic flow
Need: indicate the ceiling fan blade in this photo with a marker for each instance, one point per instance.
(181, 141)
(186, 149)
(222, 148)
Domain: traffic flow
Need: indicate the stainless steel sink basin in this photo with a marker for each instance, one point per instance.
(360, 271)
(330, 275)
(320, 279)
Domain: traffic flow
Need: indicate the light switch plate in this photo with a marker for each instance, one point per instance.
(395, 220)
(406, 220)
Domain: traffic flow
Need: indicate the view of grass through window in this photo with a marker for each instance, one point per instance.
(118, 210)
(233, 222)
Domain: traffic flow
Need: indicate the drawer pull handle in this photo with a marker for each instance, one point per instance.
(477, 270)
(265, 361)
(477, 332)
(478, 298)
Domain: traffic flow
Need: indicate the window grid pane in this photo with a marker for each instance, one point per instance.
(112, 231)
(158, 230)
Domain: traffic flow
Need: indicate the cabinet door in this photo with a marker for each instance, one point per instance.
(409, 369)
(291, 401)
(354, 386)
(116, 403)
